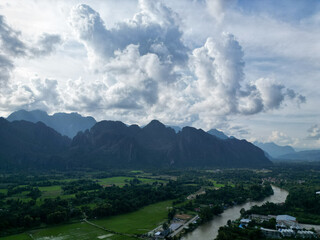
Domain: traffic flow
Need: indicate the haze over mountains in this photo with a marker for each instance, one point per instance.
(113, 144)
(308, 155)
(68, 124)
(218, 134)
(274, 150)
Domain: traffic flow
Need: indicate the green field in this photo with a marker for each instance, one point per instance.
(22, 236)
(217, 185)
(136, 171)
(138, 222)
(4, 191)
(76, 231)
(220, 185)
(121, 181)
(50, 192)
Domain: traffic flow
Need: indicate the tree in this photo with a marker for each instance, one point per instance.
(171, 213)
(242, 212)
(165, 226)
(56, 217)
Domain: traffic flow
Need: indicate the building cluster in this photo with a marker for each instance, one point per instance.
(178, 224)
(286, 226)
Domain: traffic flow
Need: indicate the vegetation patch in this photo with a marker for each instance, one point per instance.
(50, 191)
(138, 222)
(121, 181)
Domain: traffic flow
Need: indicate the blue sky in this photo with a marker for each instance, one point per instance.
(285, 10)
(247, 67)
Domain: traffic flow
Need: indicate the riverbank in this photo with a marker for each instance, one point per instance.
(210, 229)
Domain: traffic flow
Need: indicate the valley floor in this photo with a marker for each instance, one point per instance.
(138, 222)
(126, 205)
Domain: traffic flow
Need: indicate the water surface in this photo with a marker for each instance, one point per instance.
(209, 230)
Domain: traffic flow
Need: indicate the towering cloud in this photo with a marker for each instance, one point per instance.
(142, 68)
(136, 56)
(154, 29)
(221, 84)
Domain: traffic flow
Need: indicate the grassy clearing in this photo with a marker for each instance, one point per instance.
(76, 231)
(51, 191)
(121, 181)
(22, 236)
(79, 231)
(138, 222)
(217, 185)
(42, 198)
(136, 171)
(220, 185)
(4, 191)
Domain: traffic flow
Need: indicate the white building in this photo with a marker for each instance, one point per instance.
(306, 234)
(245, 222)
(287, 232)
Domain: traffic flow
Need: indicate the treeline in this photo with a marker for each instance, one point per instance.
(302, 203)
(17, 215)
(51, 178)
(302, 181)
(215, 201)
(80, 185)
(229, 196)
(236, 233)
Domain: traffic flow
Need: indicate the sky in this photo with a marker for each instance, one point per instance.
(250, 68)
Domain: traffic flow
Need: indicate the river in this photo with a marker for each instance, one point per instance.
(209, 230)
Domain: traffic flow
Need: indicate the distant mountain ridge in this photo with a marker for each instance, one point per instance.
(218, 134)
(68, 124)
(112, 144)
(308, 155)
(175, 128)
(274, 150)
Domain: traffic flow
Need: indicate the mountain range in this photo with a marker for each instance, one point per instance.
(274, 150)
(25, 144)
(287, 153)
(160, 146)
(68, 124)
(113, 144)
(308, 155)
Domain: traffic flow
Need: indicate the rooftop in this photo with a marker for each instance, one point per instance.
(175, 226)
(285, 218)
